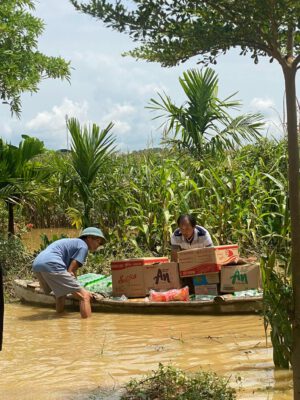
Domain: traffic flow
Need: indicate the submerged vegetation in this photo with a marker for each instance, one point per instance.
(167, 383)
(278, 309)
(16, 261)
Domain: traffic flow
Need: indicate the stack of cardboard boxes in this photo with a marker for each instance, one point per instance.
(207, 271)
(218, 270)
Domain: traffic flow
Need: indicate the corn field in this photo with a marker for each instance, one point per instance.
(240, 196)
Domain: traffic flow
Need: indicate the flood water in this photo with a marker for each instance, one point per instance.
(32, 239)
(48, 357)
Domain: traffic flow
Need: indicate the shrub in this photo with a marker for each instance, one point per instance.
(15, 262)
(278, 308)
(168, 383)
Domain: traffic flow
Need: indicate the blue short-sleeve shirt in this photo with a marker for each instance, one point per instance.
(59, 254)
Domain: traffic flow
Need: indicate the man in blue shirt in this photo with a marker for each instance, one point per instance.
(56, 268)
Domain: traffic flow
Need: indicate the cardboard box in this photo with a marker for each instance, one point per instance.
(161, 277)
(134, 262)
(209, 259)
(128, 275)
(128, 280)
(235, 278)
(206, 279)
(210, 290)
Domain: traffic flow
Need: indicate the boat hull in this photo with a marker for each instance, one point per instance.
(34, 296)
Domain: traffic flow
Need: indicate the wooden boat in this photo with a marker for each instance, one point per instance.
(30, 292)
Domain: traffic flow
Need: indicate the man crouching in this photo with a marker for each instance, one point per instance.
(56, 267)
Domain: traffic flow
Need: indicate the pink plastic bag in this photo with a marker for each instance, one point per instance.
(171, 295)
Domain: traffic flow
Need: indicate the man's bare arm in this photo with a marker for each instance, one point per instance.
(73, 267)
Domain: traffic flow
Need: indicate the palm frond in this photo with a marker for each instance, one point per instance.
(90, 150)
(203, 123)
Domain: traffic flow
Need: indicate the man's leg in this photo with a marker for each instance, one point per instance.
(62, 283)
(43, 283)
(84, 298)
(60, 304)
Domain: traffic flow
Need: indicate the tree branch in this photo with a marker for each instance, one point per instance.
(297, 60)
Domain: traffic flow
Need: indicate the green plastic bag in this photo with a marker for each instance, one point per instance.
(96, 283)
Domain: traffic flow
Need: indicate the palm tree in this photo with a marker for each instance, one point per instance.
(202, 125)
(19, 174)
(89, 151)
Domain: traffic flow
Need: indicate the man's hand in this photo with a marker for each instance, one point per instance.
(73, 267)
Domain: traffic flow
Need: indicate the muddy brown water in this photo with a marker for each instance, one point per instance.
(66, 358)
(49, 357)
(32, 239)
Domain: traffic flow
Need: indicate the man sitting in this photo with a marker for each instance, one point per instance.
(188, 235)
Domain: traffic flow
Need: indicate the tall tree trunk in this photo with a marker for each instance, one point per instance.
(11, 226)
(294, 199)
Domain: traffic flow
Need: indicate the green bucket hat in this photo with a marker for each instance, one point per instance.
(92, 231)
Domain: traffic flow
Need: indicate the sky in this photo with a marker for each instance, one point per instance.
(105, 86)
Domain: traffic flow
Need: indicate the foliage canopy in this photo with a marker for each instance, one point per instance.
(174, 31)
(22, 66)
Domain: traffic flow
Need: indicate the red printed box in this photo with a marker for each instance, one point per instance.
(134, 262)
(209, 259)
(128, 275)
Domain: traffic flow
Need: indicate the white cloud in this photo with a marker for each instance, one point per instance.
(121, 115)
(93, 59)
(120, 111)
(10, 131)
(150, 89)
(117, 77)
(56, 118)
(274, 127)
(61, 10)
(262, 104)
(6, 130)
(273, 123)
(50, 126)
(121, 127)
